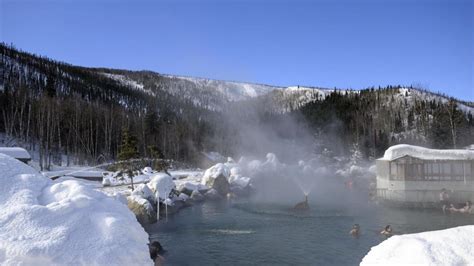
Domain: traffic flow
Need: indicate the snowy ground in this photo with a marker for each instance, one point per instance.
(64, 222)
(454, 246)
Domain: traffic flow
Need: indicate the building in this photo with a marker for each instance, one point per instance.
(414, 176)
(17, 153)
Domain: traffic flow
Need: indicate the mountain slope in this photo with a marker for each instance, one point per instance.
(63, 110)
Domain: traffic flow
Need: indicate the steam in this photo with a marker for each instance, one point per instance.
(285, 158)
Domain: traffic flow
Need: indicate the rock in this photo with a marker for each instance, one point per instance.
(221, 184)
(216, 178)
(183, 197)
(196, 196)
(145, 192)
(213, 194)
(142, 209)
(161, 184)
(188, 187)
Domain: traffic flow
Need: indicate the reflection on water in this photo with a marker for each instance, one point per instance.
(254, 234)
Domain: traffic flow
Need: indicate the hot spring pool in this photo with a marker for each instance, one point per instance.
(248, 233)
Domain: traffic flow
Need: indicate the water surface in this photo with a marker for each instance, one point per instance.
(250, 233)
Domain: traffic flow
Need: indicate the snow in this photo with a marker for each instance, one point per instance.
(411, 94)
(143, 191)
(454, 246)
(162, 185)
(401, 150)
(63, 222)
(233, 91)
(15, 152)
(124, 81)
(214, 172)
(189, 185)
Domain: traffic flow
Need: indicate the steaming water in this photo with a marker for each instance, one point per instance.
(262, 233)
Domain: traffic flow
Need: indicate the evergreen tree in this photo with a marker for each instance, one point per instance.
(128, 149)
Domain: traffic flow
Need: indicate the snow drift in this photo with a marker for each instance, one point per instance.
(454, 246)
(67, 223)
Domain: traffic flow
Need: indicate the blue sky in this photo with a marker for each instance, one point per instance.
(339, 43)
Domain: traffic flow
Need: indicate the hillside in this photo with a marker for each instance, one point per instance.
(61, 110)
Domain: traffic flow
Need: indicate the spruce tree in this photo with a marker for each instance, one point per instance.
(128, 151)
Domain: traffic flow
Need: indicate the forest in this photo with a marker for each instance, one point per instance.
(77, 115)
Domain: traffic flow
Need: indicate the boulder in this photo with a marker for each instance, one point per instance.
(145, 192)
(212, 194)
(188, 187)
(216, 178)
(183, 197)
(220, 184)
(196, 196)
(142, 209)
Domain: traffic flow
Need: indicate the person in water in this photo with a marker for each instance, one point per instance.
(355, 231)
(156, 252)
(387, 231)
(466, 209)
(444, 199)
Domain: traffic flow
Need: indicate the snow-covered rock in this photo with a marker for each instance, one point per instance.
(188, 187)
(236, 178)
(217, 177)
(183, 197)
(401, 150)
(145, 192)
(239, 181)
(63, 222)
(271, 164)
(142, 209)
(162, 185)
(454, 246)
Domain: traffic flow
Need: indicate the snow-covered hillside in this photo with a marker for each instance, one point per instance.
(233, 91)
(213, 94)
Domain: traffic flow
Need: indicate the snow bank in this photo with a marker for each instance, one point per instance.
(401, 150)
(16, 152)
(63, 223)
(453, 246)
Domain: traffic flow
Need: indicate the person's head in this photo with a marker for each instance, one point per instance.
(443, 190)
(468, 203)
(388, 228)
(356, 226)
